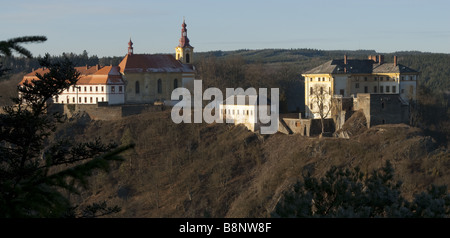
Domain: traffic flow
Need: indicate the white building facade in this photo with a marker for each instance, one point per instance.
(95, 85)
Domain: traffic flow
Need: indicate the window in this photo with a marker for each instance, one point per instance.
(137, 87)
(96, 88)
(341, 92)
(85, 89)
(311, 91)
(381, 78)
(310, 79)
(90, 89)
(96, 100)
(120, 89)
(375, 89)
(188, 58)
(102, 89)
(159, 86)
(357, 85)
(366, 89)
(375, 78)
(113, 89)
(321, 90)
(85, 99)
(381, 89)
(403, 78)
(73, 88)
(387, 78)
(175, 83)
(387, 89)
(382, 104)
(103, 99)
(73, 99)
(311, 106)
(394, 89)
(90, 100)
(79, 99)
(365, 78)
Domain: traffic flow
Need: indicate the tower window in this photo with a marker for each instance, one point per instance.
(188, 58)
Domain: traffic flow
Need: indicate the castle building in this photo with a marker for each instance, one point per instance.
(349, 77)
(96, 84)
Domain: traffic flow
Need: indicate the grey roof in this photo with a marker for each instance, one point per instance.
(358, 66)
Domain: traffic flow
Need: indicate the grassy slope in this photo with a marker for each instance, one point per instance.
(200, 170)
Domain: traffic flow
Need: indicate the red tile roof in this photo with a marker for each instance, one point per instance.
(89, 75)
(152, 63)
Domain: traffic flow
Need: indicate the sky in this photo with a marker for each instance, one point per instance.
(104, 27)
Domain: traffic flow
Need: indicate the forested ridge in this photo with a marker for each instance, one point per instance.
(434, 67)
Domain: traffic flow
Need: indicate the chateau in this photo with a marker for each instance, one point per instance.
(138, 79)
(349, 77)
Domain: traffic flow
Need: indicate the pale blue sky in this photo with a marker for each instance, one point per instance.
(103, 27)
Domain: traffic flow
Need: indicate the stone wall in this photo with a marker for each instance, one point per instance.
(104, 112)
(382, 109)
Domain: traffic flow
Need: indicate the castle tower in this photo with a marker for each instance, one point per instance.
(130, 47)
(184, 51)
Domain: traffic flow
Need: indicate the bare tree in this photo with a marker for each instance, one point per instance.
(321, 102)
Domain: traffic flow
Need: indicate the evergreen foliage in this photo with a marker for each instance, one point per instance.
(352, 193)
(34, 171)
(7, 47)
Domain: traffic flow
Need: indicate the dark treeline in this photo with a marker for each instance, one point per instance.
(25, 65)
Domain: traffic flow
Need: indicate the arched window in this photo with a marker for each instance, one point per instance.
(159, 86)
(188, 58)
(175, 83)
(137, 88)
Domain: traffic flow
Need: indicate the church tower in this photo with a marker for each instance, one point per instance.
(184, 51)
(130, 47)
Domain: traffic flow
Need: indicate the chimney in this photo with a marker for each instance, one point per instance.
(97, 67)
(395, 60)
(345, 59)
(381, 59)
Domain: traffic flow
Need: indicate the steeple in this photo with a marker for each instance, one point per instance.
(184, 40)
(184, 51)
(130, 47)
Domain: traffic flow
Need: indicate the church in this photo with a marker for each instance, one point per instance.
(151, 78)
